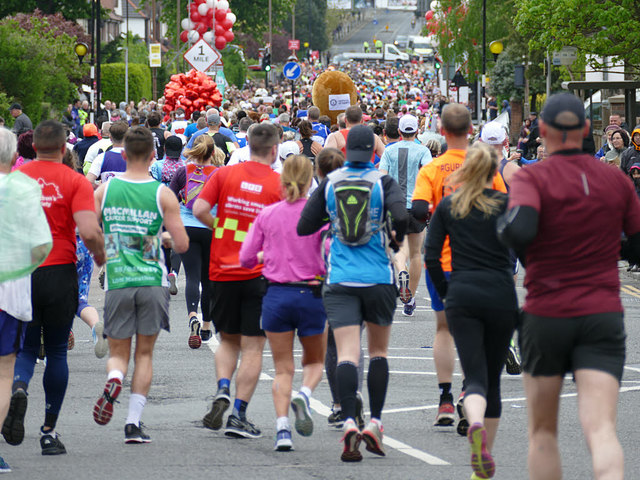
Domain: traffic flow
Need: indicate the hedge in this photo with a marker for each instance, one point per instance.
(113, 75)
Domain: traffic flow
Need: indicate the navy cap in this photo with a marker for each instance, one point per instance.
(564, 111)
(360, 144)
(173, 146)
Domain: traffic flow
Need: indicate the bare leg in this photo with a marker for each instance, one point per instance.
(281, 345)
(597, 407)
(119, 354)
(444, 352)
(313, 348)
(401, 256)
(543, 403)
(227, 355)
(415, 241)
(143, 367)
(89, 315)
(7, 362)
(250, 366)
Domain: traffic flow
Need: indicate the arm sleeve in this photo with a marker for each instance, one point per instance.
(433, 250)
(395, 203)
(252, 244)
(178, 182)
(420, 210)
(314, 215)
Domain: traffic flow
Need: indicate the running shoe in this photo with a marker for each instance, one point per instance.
(283, 441)
(463, 423)
(213, 419)
(300, 407)
(403, 286)
(372, 437)
(359, 411)
(72, 341)
(241, 428)
(103, 409)
(513, 361)
(173, 286)
(446, 412)
(335, 419)
(194, 337)
(351, 440)
(205, 335)
(100, 345)
(101, 277)
(409, 308)
(51, 444)
(481, 460)
(13, 427)
(134, 434)
(4, 466)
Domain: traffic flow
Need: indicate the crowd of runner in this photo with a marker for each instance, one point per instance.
(283, 222)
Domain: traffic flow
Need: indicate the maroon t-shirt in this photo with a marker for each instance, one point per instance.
(584, 206)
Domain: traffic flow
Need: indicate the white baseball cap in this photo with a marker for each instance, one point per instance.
(493, 133)
(288, 148)
(408, 124)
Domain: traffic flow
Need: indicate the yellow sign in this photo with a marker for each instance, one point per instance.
(155, 55)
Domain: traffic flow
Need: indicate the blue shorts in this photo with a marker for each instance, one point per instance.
(436, 301)
(12, 333)
(287, 308)
(84, 267)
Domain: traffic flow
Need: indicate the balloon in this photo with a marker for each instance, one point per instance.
(210, 3)
(201, 28)
(219, 30)
(184, 36)
(210, 13)
(202, 9)
(428, 15)
(196, 17)
(221, 42)
(194, 36)
(223, 5)
(226, 24)
(208, 37)
(232, 17)
(199, 2)
(186, 24)
(220, 15)
(229, 36)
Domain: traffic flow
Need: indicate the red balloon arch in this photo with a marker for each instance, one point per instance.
(209, 20)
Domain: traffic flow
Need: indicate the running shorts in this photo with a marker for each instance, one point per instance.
(12, 333)
(287, 308)
(414, 226)
(554, 346)
(136, 310)
(436, 301)
(236, 306)
(347, 306)
(54, 295)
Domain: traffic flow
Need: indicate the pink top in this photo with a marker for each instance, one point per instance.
(287, 256)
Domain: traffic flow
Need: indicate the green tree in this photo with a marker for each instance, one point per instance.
(311, 23)
(70, 9)
(235, 67)
(113, 83)
(607, 28)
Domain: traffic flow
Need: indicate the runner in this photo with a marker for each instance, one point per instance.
(240, 192)
(133, 209)
(360, 285)
(110, 163)
(429, 190)
(353, 117)
(482, 320)
(573, 317)
(403, 160)
(187, 183)
(67, 199)
(293, 300)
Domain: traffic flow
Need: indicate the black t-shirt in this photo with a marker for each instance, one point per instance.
(482, 269)
(221, 142)
(158, 140)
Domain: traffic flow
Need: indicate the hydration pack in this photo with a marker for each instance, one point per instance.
(197, 176)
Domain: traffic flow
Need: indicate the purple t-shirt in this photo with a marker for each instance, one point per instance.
(584, 206)
(287, 256)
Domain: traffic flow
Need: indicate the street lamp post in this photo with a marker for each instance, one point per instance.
(482, 113)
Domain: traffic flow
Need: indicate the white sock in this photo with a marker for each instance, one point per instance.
(136, 405)
(282, 423)
(115, 374)
(306, 391)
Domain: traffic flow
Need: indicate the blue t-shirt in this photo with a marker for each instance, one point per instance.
(403, 161)
(191, 129)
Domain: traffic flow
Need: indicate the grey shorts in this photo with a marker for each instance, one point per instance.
(347, 306)
(141, 310)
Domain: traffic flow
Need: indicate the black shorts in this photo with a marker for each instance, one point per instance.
(236, 306)
(554, 346)
(347, 306)
(54, 295)
(414, 226)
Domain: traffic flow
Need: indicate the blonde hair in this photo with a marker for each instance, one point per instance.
(201, 150)
(296, 176)
(218, 157)
(470, 180)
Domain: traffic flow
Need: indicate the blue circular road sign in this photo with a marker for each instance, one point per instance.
(292, 70)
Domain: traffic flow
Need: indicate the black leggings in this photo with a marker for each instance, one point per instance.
(196, 267)
(482, 337)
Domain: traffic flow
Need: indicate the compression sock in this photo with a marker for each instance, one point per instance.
(224, 383)
(445, 390)
(240, 408)
(377, 381)
(347, 376)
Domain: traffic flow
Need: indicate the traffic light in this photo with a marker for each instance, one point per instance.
(266, 62)
(437, 64)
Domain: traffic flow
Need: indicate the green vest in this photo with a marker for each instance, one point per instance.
(132, 226)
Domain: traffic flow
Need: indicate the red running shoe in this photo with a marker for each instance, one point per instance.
(194, 337)
(103, 409)
(446, 414)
